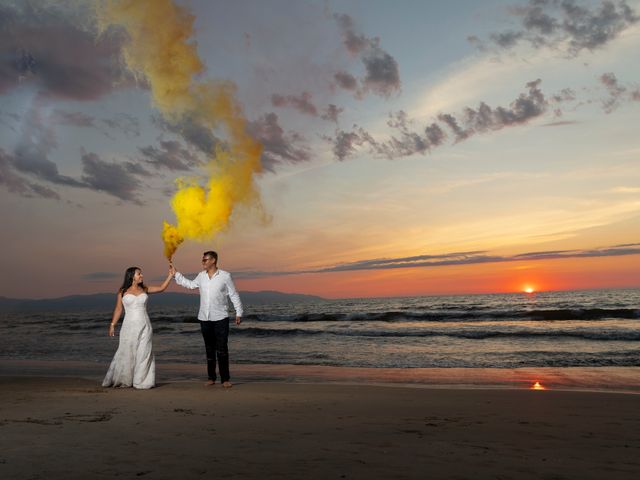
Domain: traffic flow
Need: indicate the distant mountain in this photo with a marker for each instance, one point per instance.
(106, 301)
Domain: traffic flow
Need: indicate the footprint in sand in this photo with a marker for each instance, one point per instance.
(89, 417)
(186, 411)
(37, 421)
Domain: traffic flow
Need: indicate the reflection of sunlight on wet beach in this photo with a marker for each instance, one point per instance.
(611, 379)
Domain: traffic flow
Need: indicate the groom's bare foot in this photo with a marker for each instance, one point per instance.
(227, 384)
(210, 383)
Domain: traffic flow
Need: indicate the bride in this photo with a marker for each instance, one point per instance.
(134, 363)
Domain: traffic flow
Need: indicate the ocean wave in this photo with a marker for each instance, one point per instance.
(475, 334)
(455, 315)
(583, 314)
(468, 314)
(537, 362)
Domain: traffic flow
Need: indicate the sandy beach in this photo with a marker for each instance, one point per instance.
(65, 427)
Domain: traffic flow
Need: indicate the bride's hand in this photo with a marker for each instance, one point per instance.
(172, 269)
(112, 330)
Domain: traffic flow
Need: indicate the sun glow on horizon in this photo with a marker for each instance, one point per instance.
(528, 289)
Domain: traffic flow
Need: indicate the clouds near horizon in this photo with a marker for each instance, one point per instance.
(456, 258)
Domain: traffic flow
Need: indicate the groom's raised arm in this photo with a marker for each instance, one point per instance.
(185, 282)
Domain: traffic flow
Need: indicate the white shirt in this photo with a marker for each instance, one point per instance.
(213, 294)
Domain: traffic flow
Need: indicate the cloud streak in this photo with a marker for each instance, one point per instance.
(31, 154)
(278, 147)
(302, 103)
(56, 52)
(112, 178)
(30, 159)
(171, 155)
(617, 93)
(126, 124)
(19, 185)
(456, 258)
(332, 112)
(191, 130)
(382, 74)
(472, 121)
(564, 25)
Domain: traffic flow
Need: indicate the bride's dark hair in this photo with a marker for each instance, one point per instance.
(128, 280)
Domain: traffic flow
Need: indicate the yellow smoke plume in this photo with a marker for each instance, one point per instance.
(160, 50)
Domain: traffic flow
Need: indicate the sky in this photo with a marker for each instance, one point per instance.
(407, 148)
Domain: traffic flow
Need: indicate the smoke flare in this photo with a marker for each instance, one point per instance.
(160, 50)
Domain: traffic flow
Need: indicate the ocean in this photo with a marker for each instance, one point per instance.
(597, 328)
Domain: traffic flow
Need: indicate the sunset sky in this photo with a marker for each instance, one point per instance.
(409, 148)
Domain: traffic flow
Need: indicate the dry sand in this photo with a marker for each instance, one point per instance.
(55, 428)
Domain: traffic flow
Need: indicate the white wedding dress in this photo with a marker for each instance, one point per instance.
(134, 363)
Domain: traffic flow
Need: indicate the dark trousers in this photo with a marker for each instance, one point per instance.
(216, 335)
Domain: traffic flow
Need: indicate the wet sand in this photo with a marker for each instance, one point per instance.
(71, 428)
(613, 379)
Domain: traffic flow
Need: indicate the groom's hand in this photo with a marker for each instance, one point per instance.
(238, 320)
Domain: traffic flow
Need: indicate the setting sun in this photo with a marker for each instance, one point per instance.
(529, 289)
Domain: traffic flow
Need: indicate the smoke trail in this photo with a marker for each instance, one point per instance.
(160, 50)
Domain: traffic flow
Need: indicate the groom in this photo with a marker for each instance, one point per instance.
(215, 285)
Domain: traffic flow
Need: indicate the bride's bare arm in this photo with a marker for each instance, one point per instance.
(165, 284)
(117, 312)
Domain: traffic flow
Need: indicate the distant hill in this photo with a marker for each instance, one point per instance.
(106, 301)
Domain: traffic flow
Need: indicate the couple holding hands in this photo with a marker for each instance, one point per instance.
(133, 364)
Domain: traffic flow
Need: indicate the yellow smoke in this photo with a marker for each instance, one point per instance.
(160, 50)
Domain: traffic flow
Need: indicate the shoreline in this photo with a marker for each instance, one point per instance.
(588, 379)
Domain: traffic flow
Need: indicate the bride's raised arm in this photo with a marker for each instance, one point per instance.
(166, 282)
